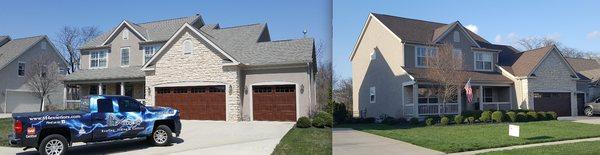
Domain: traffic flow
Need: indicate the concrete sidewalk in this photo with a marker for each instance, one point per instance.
(527, 146)
(349, 141)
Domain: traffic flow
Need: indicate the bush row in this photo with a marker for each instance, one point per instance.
(321, 120)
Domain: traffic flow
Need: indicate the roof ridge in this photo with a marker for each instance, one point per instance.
(240, 26)
(410, 18)
(539, 48)
(29, 37)
(162, 20)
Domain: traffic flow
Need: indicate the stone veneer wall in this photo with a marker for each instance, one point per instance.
(202, 66)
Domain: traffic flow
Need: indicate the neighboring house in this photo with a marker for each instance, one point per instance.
(389, 72)
(587, 69)
(207, 72)
(15, 55)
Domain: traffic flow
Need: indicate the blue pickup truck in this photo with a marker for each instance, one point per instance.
(98, 118)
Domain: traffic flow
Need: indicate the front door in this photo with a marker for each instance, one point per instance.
(580, 103)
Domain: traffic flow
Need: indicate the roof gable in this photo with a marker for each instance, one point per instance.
(125, 24)
(443, 31)
(528, 61)
(17, 47)
(173, 39)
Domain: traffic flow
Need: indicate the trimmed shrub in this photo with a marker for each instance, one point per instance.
(471, 120)
(471, 113)
(485, 116)
(541, 115)
(318, 122)
(497, 116)
(369, 120)
(429, 121)
(532, 116)
(444, 120)
(389, 121)
(512, 116)
(552, 114)
(458, 119)
(303, 122)
(414, 121)
(522, 117)
(401, 120)
(326, 117)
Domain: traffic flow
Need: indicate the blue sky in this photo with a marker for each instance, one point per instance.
(575, 24)
(286, 19)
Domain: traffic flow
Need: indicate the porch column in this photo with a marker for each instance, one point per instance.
(459, 101)
(65, 96)
(415, 100)
(100, 89)
(122, 88)
(480, 97)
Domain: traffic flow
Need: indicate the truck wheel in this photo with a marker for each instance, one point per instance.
(54, 144)
(161, 136)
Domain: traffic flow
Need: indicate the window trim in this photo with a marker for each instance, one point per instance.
(90, 60)
(491, 61)
(184, 46)
(128, 56)
(372, 92)
(18, 65)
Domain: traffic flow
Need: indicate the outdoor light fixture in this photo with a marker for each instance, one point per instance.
(302, 88)
(246, 90)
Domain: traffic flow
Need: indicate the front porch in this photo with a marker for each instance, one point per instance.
(74, 91)
(419, 99)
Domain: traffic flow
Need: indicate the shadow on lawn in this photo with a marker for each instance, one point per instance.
(539, 138)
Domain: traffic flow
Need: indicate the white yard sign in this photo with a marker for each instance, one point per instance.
(513, 130)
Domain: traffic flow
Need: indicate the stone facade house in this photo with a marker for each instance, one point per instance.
(15, 56)
(206, 71)
(390, 74)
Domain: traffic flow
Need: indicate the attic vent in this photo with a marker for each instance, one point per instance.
(533, 75)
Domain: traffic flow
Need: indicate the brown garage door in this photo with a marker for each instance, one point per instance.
(199, 103)
(274, 103)
(557, 102)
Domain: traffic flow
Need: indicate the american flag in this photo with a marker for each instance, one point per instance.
(469, 91)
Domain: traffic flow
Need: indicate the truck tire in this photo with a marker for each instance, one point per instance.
(161, 136)
(54, 144)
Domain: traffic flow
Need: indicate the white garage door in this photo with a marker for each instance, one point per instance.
(19, 101)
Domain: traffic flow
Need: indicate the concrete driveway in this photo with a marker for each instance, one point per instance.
(197, 137)
(351, 142)
(582, 119)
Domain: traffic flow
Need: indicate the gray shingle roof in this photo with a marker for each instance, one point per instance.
(160, 30)
(133, 72)
(4, 39)
(14, 48)
(242, 43)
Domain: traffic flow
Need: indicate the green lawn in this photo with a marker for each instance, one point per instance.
(580, 148)
(459, 138)
(5, 129)
(305, 141)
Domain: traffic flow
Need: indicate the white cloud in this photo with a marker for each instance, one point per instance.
(509, 38)
(594, 34)
(472, 28)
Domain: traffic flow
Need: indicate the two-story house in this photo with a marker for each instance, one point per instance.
(205, 71)
(389, 72)
(15, 57)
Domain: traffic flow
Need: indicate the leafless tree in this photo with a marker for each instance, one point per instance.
(537, 42)
(342, 91)
(445, 69)
(69, 39)
(323, 76)
(42, 77)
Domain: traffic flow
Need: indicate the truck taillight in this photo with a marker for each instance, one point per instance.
(18, 126)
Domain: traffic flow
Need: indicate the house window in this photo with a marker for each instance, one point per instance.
(98, 59)
(187, 46)
(423, 53)
(21, 70)
(483, 61)
(456, 36)
(373, 55)
(44, 45)
(372, 95)
(125, 56)
(457, 53)
(125, 34)
(149, 52)
(427, 96)
(487, 95)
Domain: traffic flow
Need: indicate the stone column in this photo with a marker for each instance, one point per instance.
(100, 89)
(122, 88)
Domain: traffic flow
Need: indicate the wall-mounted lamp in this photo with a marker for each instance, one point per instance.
(302, 88)
(246, 90)
(230, 90)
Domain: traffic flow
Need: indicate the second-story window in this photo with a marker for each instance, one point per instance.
(483, 61)
(98, 59)
(187, 46)
(125, 34)
(21, 69)
(125, 56)
(148, 53)
(423, 53)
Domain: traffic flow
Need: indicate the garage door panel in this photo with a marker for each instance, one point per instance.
(274, 103)
(557, 102)
(200, 103)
